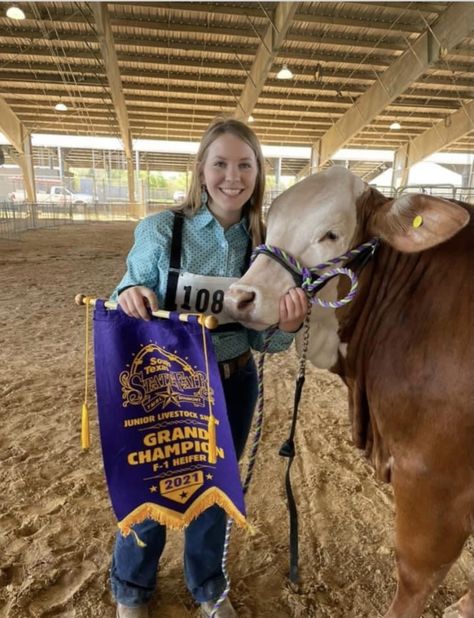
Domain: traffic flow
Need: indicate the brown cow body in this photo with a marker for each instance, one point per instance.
(405, 349)
(412, 407)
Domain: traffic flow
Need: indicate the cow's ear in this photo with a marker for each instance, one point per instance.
(417, 222)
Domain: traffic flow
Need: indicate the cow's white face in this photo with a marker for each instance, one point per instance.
(314, 221)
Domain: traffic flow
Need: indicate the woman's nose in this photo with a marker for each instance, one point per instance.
(232, 172)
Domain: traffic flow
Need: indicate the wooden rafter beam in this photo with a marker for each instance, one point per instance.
(16, 133)
(404, 7)
(430, 47)
(159, 22)
(442, 100)
(270, 102)
(89, 75)
(31, 111)
(171, 30)
(157, 54)
(266, 54)
(11, 126)
(227, 11)
(374, 172)
(316, 15)
(319, 17)
(442, 134)
(109, 57)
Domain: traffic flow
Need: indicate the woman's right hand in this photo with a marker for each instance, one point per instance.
(138, 301)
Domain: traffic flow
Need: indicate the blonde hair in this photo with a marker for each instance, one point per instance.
(253, 208)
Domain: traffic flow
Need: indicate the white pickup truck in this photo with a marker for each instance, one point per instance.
(55, 195)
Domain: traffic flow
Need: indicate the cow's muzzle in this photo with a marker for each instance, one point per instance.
(245, 304)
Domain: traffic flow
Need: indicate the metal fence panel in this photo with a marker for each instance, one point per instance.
(18, 217)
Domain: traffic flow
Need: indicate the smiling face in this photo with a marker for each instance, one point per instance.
(230, 174)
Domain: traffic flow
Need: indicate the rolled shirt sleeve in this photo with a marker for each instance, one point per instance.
(143, 259)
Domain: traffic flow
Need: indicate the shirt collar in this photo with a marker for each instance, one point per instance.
(204, 217)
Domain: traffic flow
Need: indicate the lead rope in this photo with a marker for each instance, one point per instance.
(250, 466)
(312, 280)
(288, 450)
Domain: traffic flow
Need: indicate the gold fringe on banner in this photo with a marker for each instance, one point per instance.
(178, 521)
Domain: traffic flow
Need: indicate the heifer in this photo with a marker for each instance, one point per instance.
(404, 347)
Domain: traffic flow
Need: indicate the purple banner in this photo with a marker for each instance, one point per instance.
(164, 456)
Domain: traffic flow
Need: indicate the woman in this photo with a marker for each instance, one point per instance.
(202, 245)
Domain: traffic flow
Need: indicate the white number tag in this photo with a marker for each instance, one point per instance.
(202, 294)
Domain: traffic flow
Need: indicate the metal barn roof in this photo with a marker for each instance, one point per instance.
(164, 70)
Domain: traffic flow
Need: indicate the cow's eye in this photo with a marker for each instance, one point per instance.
(328, 236)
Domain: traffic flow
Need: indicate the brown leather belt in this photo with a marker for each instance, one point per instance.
(229, 367)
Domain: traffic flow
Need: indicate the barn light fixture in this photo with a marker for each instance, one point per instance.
(14, 12)
(60, 107)
(395, 126)
(284, 73)
(251, 118)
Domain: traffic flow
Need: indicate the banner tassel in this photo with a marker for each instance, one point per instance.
(85, 431)
(211, 424)
(211, 432)
(85, 428)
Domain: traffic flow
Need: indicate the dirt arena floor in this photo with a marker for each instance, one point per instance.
(56, 526)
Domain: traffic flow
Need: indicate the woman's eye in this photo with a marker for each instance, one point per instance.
(219, 163)
(328, 236)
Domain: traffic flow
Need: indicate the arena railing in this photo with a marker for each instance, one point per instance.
(19, 217)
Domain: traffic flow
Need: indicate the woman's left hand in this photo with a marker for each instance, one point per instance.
(293, 309)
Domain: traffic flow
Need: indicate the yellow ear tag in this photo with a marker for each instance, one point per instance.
(417, 221)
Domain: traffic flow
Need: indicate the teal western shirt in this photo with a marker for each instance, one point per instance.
(207, 249)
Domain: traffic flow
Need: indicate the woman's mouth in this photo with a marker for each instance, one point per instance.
(230, 192)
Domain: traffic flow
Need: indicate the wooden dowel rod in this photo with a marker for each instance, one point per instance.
(209, 321)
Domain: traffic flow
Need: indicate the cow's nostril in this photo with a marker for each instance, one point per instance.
(245, 299)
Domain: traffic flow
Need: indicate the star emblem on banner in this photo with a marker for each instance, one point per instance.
(153, 489)
(170, 397)
(209, 477)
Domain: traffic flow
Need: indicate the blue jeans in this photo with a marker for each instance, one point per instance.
(133, 572)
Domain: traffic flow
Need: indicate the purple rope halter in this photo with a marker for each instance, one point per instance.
(311, 279)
